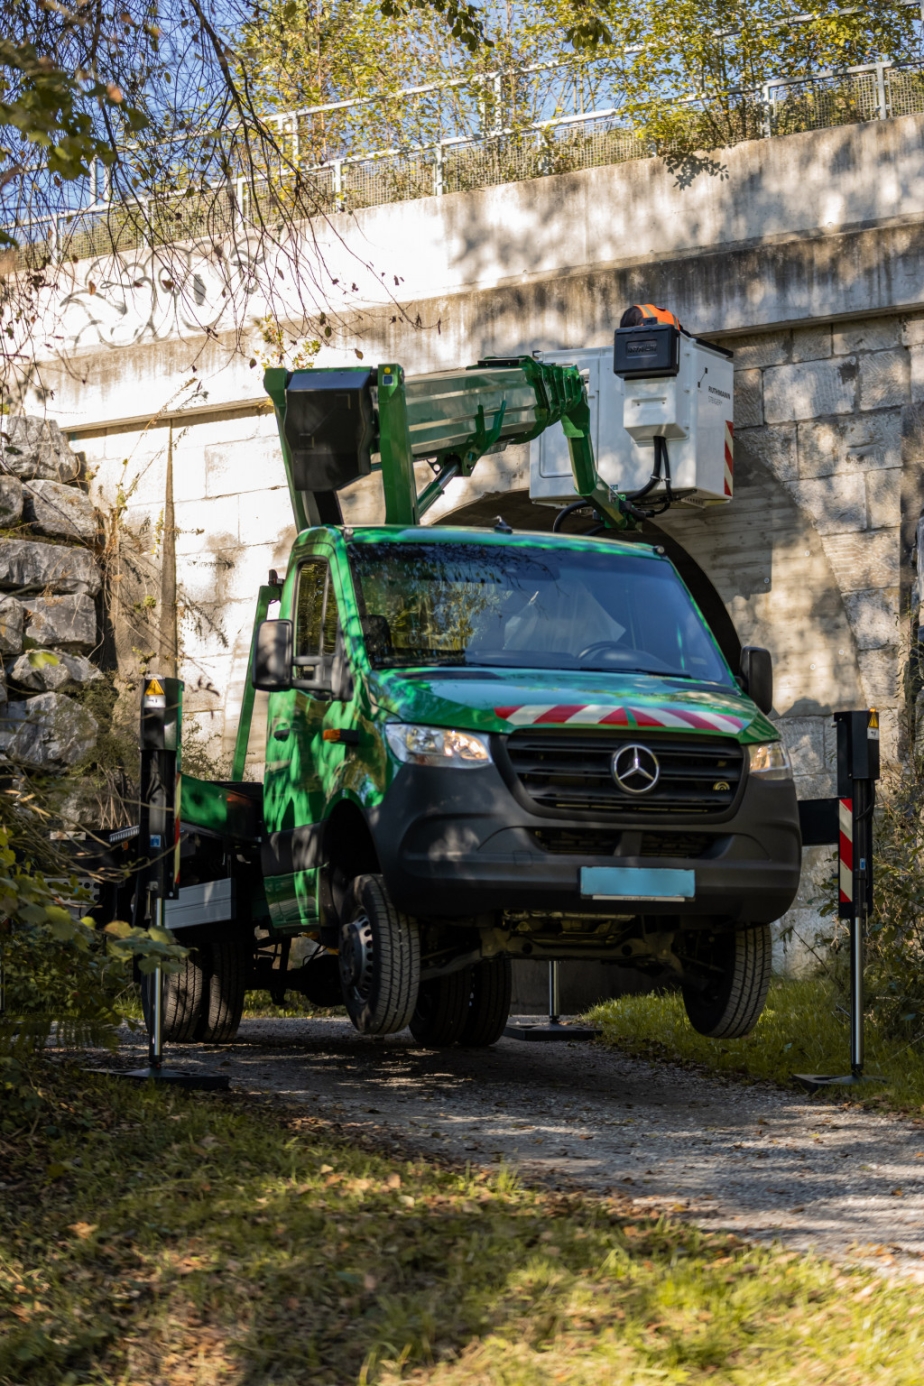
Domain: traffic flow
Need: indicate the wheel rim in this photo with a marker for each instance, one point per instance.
(357, 957)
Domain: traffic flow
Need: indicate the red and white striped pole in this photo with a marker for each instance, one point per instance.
(845, 858)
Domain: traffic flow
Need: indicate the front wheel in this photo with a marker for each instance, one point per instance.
(735, 966)
(379, 960)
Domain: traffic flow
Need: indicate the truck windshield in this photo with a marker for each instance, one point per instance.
(483, 605)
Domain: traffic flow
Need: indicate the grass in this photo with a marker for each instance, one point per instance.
(149, 1236)
(260, 1004)
(803, 1029)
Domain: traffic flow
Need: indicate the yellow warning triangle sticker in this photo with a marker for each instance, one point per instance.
(873, 719)
(154, 690)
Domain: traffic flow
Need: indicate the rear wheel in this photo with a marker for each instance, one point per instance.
(736, 966)
(230, 961)
(184, 994)
(442, 1009)
(492, 985)
(379, 960)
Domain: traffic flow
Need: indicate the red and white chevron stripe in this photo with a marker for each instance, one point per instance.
(729, 457)
(845, 851)
(605, 715)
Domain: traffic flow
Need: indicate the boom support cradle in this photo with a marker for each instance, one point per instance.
(337, 425)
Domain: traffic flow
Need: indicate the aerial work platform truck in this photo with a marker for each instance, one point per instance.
(481, 745)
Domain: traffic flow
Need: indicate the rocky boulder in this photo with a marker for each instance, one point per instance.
(12, 619)
(36, 449)
(50, 671)
(69, 621)
(60, 511)
(10, 500)
(46, 732)
(37, 566)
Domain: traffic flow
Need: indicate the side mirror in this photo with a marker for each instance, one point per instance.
(272, 657)
(757, 676)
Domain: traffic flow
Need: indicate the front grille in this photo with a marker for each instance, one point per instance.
(575, 842)
(675, 844)
(568, 842)
(565, 772)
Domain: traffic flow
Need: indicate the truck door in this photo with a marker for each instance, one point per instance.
(299, 762)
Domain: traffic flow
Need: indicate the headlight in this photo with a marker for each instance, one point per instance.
(433, 746)
(770, 761)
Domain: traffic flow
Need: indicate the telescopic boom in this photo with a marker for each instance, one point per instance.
(338, 425)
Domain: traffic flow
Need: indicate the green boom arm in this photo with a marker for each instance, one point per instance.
(332, 423)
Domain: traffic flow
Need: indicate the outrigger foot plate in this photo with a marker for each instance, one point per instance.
(199, 1082)
(550, 1030)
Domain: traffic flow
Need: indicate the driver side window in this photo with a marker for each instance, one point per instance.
(315, 614)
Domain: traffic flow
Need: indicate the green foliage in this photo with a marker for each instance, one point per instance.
(684, 77)
(716, 56)
(463, 21)
(58, 971)
(47, 105)
(147, 1233)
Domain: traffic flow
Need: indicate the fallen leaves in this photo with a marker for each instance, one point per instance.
(83, 1230)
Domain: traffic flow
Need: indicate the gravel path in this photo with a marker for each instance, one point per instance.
(764, 1163)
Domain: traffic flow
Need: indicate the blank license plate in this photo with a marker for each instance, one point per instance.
(637, 883)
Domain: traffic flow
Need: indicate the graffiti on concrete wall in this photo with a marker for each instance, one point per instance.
(152, 295)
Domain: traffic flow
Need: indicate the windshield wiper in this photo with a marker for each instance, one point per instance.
(406, 662)
(627, 669)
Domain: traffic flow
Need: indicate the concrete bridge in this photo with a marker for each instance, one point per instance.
(803, 254)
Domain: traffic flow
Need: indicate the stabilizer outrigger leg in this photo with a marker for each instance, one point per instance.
(554, 1028)
(158, 861)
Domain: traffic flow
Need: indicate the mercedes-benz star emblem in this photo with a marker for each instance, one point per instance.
(635, 769)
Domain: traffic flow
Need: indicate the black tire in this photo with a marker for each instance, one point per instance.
(738, 966)
(492, 986)
(441, 1013)
(230, 961)
(379, 960)
(184, 998)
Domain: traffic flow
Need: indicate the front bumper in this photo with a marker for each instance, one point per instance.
(454, 843)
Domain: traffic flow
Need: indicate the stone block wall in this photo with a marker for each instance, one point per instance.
(49, 583)
(830, 411)
(824, 408)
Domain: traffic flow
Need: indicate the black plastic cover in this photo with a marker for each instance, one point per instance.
(857, 749)
(819, 821)
(329, 427)
(646, 352)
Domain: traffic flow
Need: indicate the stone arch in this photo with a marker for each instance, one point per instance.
(765, 558)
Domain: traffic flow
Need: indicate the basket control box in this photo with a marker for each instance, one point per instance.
(656, 381)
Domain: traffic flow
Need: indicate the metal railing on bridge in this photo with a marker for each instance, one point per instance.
(457, 136)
